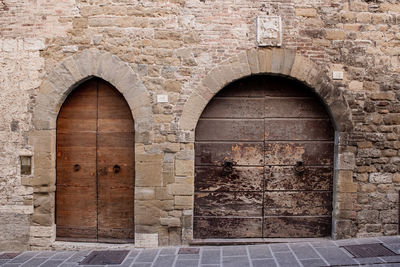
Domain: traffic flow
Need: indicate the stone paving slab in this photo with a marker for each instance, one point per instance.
(304, 254)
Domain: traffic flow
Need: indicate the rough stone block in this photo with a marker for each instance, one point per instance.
(347, 161)
(301, 68)
(184, 201)
(148, 170)
(42, 219)
(369, 153)
(396, 178)
(184, 167)
(172, 86)
(34, 44)
(171, 222)
(383, 96)
(192, 112)
(43, 177)
(335, 35)
(14, 229)
(368, 188)
(347, 188)
(214, 81)
(306, 12)
(180, 189)
(345, 177)
(380, 178)
(145, 240)
(388, 216)
(356, 86)
(143, 193)
(265, 60)
(368, 216)
(252, 56)
(392, 119)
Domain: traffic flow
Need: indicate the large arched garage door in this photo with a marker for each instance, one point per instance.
(264, 162)
(95, 166)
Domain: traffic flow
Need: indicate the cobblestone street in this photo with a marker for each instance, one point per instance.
(308, 254)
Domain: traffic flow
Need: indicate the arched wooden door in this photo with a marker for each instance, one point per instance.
(95, 166)
(264, 162)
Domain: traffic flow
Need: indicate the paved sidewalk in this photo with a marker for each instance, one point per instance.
(308, 254)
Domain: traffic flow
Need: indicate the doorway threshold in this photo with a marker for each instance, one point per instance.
(252, 241)
(66, 245)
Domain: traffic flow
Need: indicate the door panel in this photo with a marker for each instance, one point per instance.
(114, 166)
(276, 107)
(292, 227)
(95, 131)
(289, 153)
(76, 209)
(220, 227)
(230, 130)
(209, 179)
(310, 203)
(283, 178)
(238, 204)
(290, 129)
(214, 153)
(237, 107)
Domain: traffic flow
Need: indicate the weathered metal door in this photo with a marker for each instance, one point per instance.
(279, 139)
(95, 166)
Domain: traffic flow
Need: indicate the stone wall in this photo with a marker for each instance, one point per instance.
(173, 47)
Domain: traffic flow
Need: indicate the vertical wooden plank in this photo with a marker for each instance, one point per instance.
(115, 166)
(76, 207)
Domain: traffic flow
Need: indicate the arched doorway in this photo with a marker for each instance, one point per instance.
(264, 149)
(95, 166)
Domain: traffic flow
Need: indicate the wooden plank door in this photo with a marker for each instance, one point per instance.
(95, 166)
(267, 125)
(298, 163)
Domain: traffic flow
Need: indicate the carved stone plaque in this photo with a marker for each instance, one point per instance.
(269, 31)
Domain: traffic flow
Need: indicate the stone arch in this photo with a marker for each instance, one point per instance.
(72, 71)
(286, 62)
(55, 88)
(279, 61)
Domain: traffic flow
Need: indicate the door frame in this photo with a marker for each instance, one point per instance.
(108, 87)
(291, 64)
(63, 79)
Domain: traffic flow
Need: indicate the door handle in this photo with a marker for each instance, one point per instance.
(228, 166)
(299, 168)
(116, 168)
(77, 167)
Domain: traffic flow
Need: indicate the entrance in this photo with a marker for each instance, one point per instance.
(95, 166)
(264, 150)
